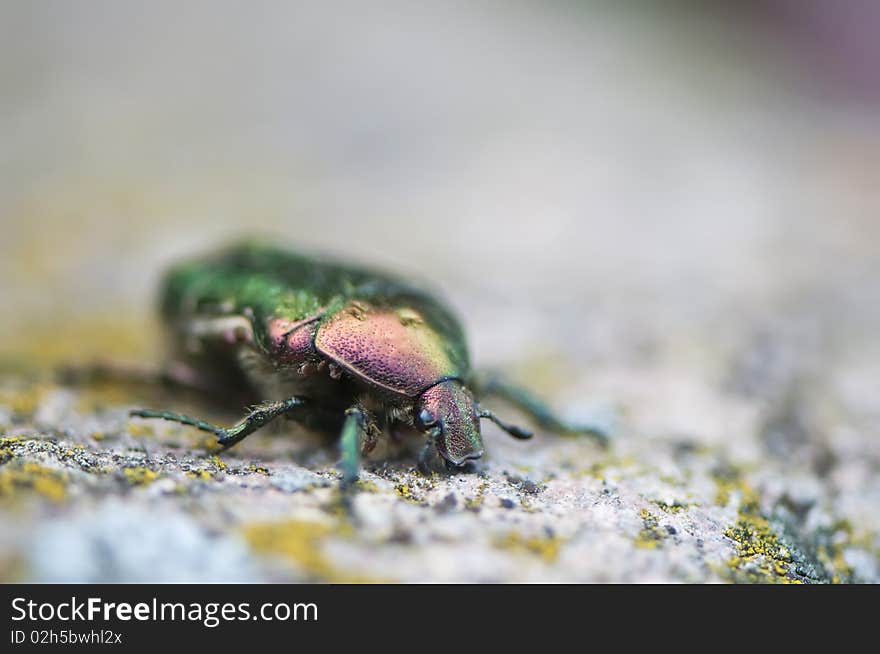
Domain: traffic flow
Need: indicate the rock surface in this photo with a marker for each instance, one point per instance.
(88, 494)
(643, 217)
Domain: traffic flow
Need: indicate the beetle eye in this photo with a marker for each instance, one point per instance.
(426, 418)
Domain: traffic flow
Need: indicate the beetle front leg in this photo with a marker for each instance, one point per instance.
(350, 444)
(527, 402)
(260, 416)
(430, 460)
(358, 422)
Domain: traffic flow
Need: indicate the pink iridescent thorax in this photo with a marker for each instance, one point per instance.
(394, 349)
(292, 340)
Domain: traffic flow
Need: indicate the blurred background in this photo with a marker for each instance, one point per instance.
(668, 208)
(554, 158)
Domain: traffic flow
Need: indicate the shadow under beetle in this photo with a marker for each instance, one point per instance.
(336, 347)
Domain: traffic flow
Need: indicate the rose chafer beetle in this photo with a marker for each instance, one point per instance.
(336, 347)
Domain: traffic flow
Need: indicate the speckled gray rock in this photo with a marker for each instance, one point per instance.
(149, 503)
(117, 542)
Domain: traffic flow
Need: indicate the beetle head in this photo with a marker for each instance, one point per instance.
(448, 413)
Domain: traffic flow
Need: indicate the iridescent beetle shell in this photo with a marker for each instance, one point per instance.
(399, 352)
(340, 348)
(350, 335)
(393, 348)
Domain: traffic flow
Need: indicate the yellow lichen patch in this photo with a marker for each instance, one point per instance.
(730, 484)
(831, 552)
(406, 492)
(24, 404)
(526, 505)
(474, 503)
(8, 447)
(45, 482)
(218, 463)
(140, 431)
(202, 475)
(597, 471)
(547, 548)
(760, 558)
(140, 476)
(366, 486)
(259, 470)
(209, 444)
(675, 507)
(651, 535)
(301, 542)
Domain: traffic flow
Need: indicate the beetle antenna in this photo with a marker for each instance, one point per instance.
(513, 430)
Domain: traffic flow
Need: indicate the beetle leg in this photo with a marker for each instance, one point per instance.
(526, 401)
(372, 432)
(260, 416)
(430, 460)
(349, 444)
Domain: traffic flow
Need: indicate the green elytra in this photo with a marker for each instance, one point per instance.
(338, 347)
(278, 283)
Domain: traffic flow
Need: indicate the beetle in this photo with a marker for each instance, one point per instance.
(336, 347)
